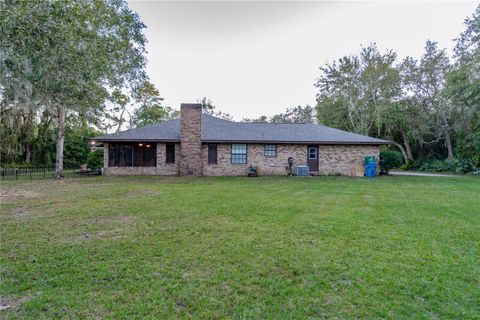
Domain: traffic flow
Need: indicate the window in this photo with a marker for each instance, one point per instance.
(170, 153)
(312, 153)
(270, 150)
(145, 155)
(239, 153)
(120, 155)
(212, 154)
(132, 154)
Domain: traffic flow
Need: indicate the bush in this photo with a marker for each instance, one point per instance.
(390, 159)
(458, 166)
(464, 166)
(411, 165)
(438, 166)
(95, 159)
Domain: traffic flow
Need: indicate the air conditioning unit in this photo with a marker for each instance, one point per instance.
(302, 171)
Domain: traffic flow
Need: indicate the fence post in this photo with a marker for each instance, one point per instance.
(16, 174)
(44, 174)
(30, 173)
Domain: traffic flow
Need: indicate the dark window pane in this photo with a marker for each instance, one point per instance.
(170, 153)
(212, 154)
(127, 155)
(120, 155)
(145, 155)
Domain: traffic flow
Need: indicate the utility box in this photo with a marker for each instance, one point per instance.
(302, 171)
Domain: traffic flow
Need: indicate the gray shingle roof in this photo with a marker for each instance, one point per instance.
(219, 130)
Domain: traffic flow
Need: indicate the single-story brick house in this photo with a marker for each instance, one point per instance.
(199, 144)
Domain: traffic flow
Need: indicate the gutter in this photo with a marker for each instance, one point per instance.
(252, 141)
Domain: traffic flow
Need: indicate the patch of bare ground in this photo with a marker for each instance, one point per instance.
(106, 220)
(146, 192)
(14, 194)
(20, 213)
(97, 235)
(108, 228)
(12, 302)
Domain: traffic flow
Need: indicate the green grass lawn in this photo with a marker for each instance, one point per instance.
(271, 247)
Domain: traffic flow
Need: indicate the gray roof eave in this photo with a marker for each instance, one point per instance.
(100, 139)
(381, 142)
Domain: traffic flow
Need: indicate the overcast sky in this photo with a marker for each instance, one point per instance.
(259, 58)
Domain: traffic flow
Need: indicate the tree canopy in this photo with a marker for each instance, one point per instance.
(67, 58)
(428, 107)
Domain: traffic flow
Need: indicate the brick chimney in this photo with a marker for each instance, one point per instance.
(190, 139)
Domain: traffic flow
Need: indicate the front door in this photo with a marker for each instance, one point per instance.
(313, 158)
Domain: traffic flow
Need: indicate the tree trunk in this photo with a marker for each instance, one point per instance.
(28, 153)
(448, 140)
(402, 150)
(60, 140)
(408, 149)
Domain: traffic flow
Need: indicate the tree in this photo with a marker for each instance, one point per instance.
(291, 115)
(361, 93)
(298, 114)
(360, 87)
(210, 109)
(424, 83)
(150, 110)
(72, 54)
(261, 119)
(120, 103)
(463, 90)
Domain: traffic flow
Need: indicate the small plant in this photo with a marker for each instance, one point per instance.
(389, 160)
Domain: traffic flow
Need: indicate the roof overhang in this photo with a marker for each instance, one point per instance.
(300, 142)
(134, 140)
(251, 141)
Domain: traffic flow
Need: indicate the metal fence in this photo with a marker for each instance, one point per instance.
(37, 173)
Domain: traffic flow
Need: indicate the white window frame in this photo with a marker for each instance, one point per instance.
(265, 151)
(234, 152)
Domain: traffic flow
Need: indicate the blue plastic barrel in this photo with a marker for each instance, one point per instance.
(370, 169)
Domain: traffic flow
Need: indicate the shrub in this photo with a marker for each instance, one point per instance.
(438, 166)
(95, 159)
(465, 166)
(458, 166)
(411, 165)
(390, 159)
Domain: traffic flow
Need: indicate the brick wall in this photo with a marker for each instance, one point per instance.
(255, 156)
(130, 171)
(339, 159)
(333, 159)
(167, 169)
(105, 155)
(190, 138)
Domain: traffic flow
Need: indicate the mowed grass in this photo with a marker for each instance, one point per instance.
(269, 248)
